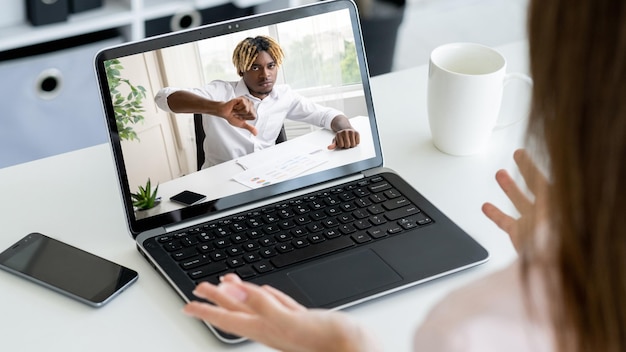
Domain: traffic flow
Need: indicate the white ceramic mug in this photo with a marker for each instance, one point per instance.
(465, 86)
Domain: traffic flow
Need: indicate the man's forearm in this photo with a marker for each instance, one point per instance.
(187, 102)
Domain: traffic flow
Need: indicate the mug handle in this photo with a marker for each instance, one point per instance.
(507, 79)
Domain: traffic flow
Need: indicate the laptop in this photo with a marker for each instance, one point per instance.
(331, 228)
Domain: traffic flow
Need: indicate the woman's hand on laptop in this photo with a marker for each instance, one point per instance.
(533, 217)
(270, 317)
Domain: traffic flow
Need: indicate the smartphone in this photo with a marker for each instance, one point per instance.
(66, 269)
(187, 197)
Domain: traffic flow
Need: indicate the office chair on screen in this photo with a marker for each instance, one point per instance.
(199, 134)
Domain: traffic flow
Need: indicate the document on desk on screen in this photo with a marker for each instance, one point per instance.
(264, 170)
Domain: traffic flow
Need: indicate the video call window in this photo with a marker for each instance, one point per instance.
(320, 64)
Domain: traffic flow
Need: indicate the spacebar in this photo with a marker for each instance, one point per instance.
(312, 251)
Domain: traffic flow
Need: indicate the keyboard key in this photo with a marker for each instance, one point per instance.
(317, 215)
(239, 238)
(299, 232)
(267, 241)
(392, 193)
(396, 203)
(378, 198)
(251, 246)
(394, 229)
(252, 257)
(377, 220)
(360, 214)
(207, 270)
(315, 227)
(255, 233)
(270, 218)
(330, 223)
(402, 212)
(362, 202)
(361, 237)
(284, 247)
(232, 251)
(268, 252)
(206, 236)
(205, 248)
(195, 262)
(347, 196)
(284, 236)
(333, 211)
(286, 224)
(300, 243)
(217, 256)
(263, 267)
(361, 192)
(302, 220)
(238, 227)
(331, 201)
(375, 209)
(271, 229)
(254, 222)
(234, 262)
(222, 231)
(376, 179)
(332, 233)
(377, 233)
(165, 239)
(316, 205)
(345, 218)
(301, 209)
(407, 224)
(362, 224)
(423, 219)
(173, 246)
(347, 229)
(245, 272)
(379, 187)
(312, 251)
(223, 243)
(185, 253)
(316, 238)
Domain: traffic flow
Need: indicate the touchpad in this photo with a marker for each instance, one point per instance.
(343, 277)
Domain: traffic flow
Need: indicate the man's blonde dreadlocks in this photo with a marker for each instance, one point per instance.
(248, 49)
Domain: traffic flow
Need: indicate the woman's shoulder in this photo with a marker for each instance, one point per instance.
(490, 314)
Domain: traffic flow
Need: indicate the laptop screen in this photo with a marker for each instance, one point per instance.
(198, 163)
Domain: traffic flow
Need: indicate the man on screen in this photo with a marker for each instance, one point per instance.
(244, 116)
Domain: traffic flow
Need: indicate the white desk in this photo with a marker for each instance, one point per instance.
(74, 197)
(217, 181)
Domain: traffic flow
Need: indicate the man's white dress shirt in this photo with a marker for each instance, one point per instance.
(224, 142)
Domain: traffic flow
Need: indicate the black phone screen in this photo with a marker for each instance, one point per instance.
(66, 269)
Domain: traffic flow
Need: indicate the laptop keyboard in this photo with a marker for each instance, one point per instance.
(302, 228)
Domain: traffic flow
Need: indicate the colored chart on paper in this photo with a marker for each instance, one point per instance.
(280, 170)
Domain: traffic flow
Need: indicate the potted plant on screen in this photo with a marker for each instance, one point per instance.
(128, 108)
(146, 198)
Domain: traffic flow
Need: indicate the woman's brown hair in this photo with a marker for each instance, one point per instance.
(578, 63)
